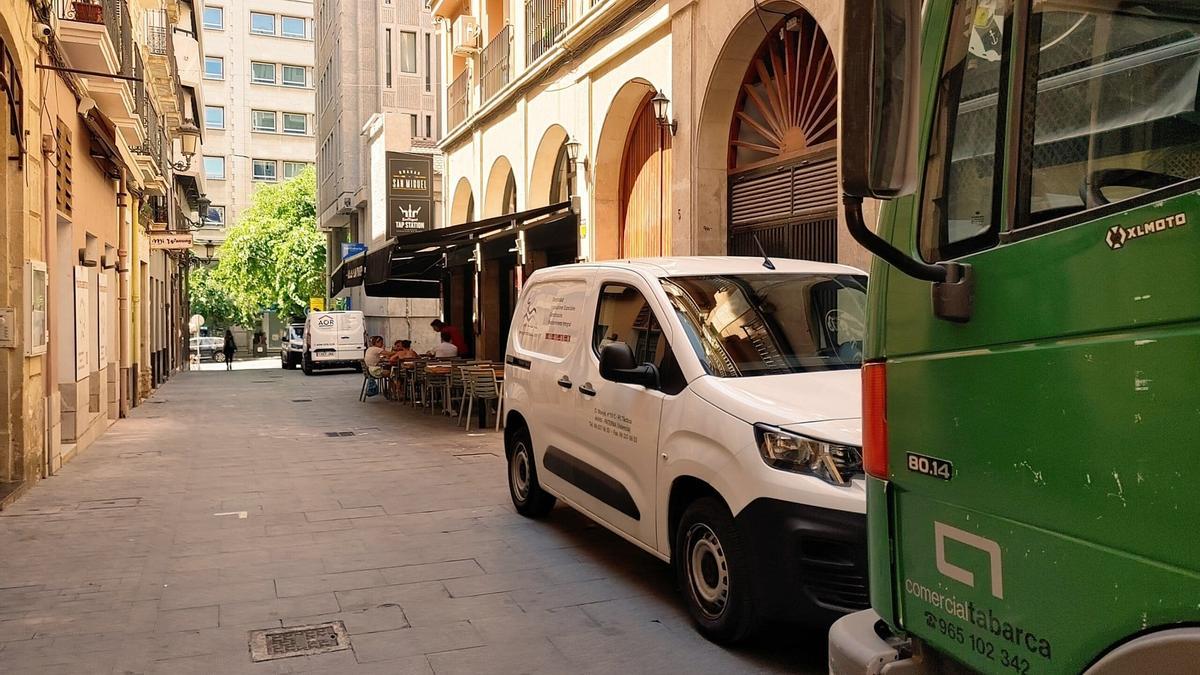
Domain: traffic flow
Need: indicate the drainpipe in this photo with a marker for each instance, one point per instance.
(50, 251)
(135, 301)
(125, 240)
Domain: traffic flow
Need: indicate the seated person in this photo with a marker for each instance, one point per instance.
(445, 349)
(375, 357)
(403, 351)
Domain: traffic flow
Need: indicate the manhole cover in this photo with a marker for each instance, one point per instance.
(281, 643)
(118, 503)
(336, 434)
(302, 400)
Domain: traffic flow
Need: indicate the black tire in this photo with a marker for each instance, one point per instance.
(308, 364)
(714, 570)
(527, 494)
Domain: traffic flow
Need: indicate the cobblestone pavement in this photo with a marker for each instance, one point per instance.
(222, 507)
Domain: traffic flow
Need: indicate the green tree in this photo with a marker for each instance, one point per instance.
(274, 256)
(210, 299)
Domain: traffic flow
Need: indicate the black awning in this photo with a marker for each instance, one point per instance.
(404, 276)
(350, 273)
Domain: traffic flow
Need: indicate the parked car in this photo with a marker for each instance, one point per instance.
(291, 347)
(707, 410)
(208, 348)
(333, 340)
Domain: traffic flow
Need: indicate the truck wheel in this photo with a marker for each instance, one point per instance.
(308, 364)
(527, 494)
(713, 569)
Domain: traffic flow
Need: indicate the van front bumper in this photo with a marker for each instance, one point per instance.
(811, 561)
(861, 644)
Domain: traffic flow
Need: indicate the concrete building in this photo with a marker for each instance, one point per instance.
(91, 319)
(258, 103)
(378, 83)
(681, 127)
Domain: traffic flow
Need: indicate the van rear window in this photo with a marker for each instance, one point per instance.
(551, 318)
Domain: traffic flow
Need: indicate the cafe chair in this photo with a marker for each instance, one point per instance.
(482, 387)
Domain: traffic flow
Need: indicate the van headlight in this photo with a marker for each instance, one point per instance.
(831, 462)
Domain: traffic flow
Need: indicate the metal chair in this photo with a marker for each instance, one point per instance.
(482, 386)
(380, 381)
(436, 385)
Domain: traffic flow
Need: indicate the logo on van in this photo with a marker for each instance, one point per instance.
(942, 532)
(1118, 236)
(325, 322)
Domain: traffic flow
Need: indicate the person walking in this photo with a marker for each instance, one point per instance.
(230, 348)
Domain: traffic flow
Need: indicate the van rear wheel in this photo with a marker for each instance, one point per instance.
(307, 364)
(527, 494)
(713, 569)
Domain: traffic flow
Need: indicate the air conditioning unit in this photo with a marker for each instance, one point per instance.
(466, 34)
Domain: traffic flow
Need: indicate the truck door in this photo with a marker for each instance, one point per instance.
(1042, 474)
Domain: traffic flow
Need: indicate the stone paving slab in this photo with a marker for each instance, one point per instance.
(224, 508)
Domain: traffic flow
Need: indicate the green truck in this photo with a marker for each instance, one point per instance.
(1031, 398)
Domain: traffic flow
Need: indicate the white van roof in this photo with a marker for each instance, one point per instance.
(681, 266)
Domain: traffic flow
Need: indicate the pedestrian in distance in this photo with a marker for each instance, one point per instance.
(230, 348)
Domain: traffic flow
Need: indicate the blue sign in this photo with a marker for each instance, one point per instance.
(352, 249)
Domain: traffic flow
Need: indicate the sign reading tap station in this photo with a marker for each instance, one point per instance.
(171, 241)
(409, 193)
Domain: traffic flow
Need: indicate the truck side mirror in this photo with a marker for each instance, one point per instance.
(617, 364)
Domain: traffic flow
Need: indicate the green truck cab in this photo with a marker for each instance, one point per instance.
(1031, 407)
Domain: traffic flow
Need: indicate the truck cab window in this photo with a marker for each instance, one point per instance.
(960, 180)
(1113, 110)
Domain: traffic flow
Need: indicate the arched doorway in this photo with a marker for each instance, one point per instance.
(551, 181)
(645, 189)
(462, 209)
(500, 199)
(783, 181)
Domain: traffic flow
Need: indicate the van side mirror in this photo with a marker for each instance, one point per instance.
(617, 364)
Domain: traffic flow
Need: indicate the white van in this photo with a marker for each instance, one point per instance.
(333, 340)
(707, 410)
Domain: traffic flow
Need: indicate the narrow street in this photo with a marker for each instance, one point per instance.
(226, 506)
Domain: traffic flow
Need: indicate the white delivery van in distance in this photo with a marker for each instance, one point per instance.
(333, 340)
(707, 410)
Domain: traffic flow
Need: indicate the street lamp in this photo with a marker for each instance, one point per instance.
(573, 146)
(662, 111)
(202, 204)
(209, 245)
(189, 137)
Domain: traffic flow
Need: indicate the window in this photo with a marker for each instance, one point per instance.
(295, 123)
(408, 52)
(262, 24)
(293, 169)
(412, 122)
(428, 64)
(264, 169)
(387, 57)
(294, 76)
(623, 315)
(960, 208)
(214, 68)
(771, 323)
(293, 26)
(214, 168)
(428, 126)
(214, 117)
(1110, 115)
(262, 73)
(214, 18)
(216, 216)
(262, 120)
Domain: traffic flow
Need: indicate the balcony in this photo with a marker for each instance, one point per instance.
(496, 63)
(152, 154)
(545, 23)
(96, 34)
(162, 68)
(458, 99)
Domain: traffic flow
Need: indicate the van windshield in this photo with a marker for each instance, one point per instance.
(769, 324)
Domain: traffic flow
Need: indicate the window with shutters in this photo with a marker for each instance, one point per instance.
(64, 191)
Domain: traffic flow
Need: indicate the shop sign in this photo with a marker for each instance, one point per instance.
(170, 241)
(316, 304)
(352, 249)
(409, 193)
(83, 319)
(102, 318)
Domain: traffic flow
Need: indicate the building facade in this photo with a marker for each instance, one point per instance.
(378, 84)
(98, 126)
(259, 97)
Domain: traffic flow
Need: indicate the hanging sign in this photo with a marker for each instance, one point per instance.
(409, 193)
(171, 241)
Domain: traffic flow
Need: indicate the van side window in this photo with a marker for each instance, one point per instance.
(624, 315)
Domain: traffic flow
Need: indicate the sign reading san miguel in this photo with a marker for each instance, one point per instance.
(410, 193)
(1118, 236)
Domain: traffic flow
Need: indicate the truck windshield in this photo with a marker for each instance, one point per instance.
(769, 324)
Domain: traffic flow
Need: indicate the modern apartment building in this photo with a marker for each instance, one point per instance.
(378, 82)
(258, 103)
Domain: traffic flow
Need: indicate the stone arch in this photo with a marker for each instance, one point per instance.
(545, 166)
(711, 132)
(499, 197)
(462, 207)
(610, 150)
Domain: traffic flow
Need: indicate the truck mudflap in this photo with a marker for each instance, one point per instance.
(860, 644)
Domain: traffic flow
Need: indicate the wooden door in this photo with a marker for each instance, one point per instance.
(645, 228)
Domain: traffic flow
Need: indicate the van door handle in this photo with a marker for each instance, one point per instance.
(586, 389)
(564, 382)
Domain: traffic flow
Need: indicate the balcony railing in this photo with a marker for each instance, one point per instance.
(545, 21)
(158, 33)
(113, 15)
(458, 99)
(496, 61)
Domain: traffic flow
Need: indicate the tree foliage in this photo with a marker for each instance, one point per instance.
(210, 300)
(274, 256)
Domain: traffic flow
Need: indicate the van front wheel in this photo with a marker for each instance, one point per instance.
(527, 494)
(712, 566)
